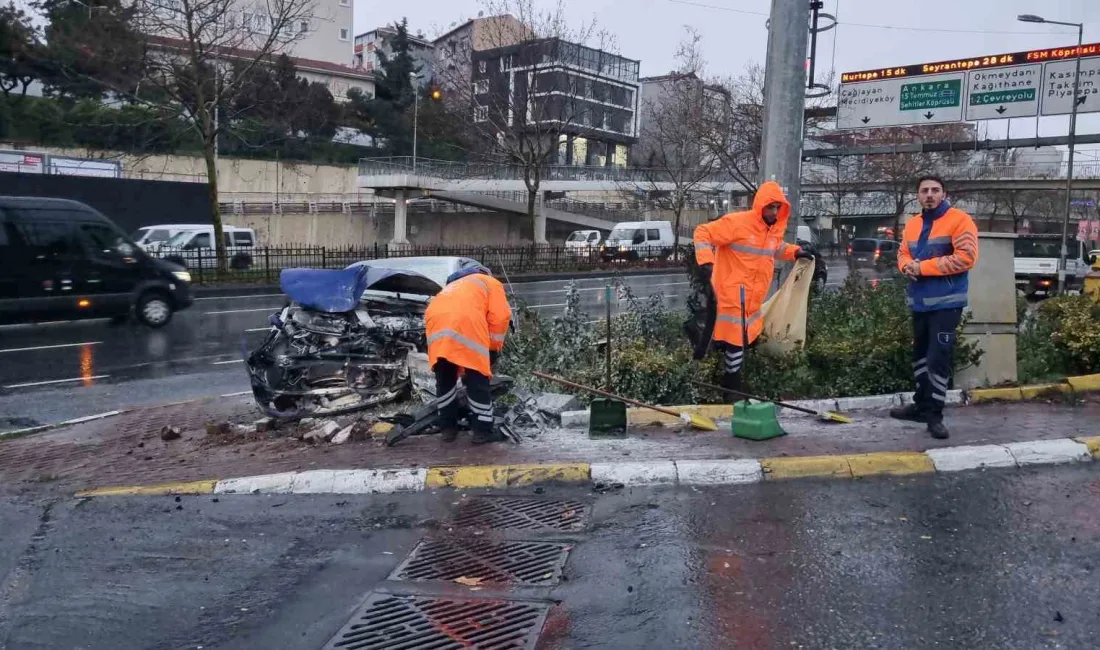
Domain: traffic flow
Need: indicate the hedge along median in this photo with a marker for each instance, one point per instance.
(859, 342)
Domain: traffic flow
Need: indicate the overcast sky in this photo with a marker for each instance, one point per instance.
(871, 34)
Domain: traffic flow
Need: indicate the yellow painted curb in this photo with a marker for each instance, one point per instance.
(193, 487)
(777, 469)
(890, 463)
(1093, 444)
(1084, 382)
(642, 417)
(1032, 392)
(990, 394)
(501, 476)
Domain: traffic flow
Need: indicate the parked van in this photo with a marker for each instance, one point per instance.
(150, 238)
(64, 260)
(195, 248)
(582, 242)
(639, 240)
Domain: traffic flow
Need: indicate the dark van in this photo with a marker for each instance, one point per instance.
(877, 253)
(61, 260)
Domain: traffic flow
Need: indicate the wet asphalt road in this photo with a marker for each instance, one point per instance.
(997, 559)
(53, 372)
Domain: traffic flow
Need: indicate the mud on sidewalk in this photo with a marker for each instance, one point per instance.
(130, 449)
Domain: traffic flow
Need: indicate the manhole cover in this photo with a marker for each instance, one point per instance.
(514, 513)
(388, 622)
(495, 562)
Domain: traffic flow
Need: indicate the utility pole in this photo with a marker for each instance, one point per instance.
(785, 101)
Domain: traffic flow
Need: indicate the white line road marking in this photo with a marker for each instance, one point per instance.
(243, 392)
(259, 329)
(239, 311)
(55, 381)
(51, 347)
(222, 363)
(259, 295)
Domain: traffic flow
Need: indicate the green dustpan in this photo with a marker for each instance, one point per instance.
(755, 421)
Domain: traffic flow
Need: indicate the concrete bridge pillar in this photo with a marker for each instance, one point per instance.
(539, 222)
(400, 219)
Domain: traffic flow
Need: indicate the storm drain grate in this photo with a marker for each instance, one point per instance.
(388, 622)
(492, 562)
(516, 513)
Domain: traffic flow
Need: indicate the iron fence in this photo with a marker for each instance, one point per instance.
(263, 264)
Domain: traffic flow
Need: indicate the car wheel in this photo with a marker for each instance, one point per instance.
(240, 262)
(154, 309)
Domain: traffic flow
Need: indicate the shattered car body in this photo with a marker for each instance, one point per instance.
(342, 344)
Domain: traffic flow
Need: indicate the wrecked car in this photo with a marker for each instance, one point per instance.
(343, 342)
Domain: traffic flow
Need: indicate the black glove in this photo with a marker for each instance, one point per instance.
(493, 357)
(805, 253)
(705, 272)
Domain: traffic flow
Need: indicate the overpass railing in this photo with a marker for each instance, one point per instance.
(450, 170)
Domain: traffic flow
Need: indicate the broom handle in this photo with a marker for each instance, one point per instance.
(738, 393)
(603, 393)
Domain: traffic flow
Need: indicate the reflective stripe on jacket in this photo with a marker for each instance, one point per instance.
(946, 245)
(744, 250)
(466, 321)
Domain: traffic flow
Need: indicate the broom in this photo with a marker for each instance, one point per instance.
(696, 421)
(824, 415)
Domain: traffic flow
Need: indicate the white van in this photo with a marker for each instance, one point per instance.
(195, 248)
(582, 242)
(634, 240)
(150, 238)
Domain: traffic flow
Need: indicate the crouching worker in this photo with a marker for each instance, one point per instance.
(466, 325)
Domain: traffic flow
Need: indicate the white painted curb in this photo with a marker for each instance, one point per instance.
(957, 459)
(1049, 452)
(718, 472)
(328, 481)
(652, 473)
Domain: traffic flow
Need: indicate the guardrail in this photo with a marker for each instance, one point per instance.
(264, 263)
(450, 170)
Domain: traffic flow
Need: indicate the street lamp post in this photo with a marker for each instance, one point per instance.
(416, 112)
(1063, 262)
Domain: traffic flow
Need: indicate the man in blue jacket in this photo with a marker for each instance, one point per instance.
(938, 249)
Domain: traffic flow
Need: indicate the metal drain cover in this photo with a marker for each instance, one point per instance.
(494, 562)
(519, 513)
(387, 622)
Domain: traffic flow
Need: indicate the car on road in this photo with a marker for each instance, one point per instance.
(64, 260)
(150, 238)
(872, 253)
(195, 248)
(632, 240)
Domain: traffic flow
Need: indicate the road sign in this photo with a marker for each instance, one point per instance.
(1018, 84)
(997, 93)
(893, 102)
(1058, 87)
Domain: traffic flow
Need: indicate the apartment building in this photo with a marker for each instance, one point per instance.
(454, 50)
(372, 44)
(589, 96)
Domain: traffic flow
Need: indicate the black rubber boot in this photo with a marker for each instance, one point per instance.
(450, 434)
(938, 430)
(912, 413)
(482, 437)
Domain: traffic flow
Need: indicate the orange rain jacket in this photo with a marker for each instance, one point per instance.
(466, 320)
(744, 250)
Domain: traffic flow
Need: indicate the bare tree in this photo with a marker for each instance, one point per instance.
(673, 158)
(517, 113)
(200, 54)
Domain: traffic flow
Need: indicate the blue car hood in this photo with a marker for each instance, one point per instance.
(335, 291)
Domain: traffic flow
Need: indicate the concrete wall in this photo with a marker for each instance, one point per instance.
(425, 229)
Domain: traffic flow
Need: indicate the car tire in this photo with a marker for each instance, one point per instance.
(240, 262)
(153, 309)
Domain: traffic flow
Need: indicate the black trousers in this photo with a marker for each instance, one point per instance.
(934, 334)
(478, 396)
(733, 359)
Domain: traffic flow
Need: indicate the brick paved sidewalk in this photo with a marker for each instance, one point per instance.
(128, 450)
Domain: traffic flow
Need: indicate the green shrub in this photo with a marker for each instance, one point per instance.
(859, 342)
(1059, 338)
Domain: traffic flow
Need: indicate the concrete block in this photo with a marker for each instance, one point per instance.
(642, 473)
(378, 481)
(845, 404)
(1049, 452)
(316, 481)
(263, 484)
(957, 459)
(575, 419)
(343, 435)
(790, 467)
(1084, 383)
(718, 472)
(556, 404)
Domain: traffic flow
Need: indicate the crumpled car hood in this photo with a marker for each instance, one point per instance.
(336, 291)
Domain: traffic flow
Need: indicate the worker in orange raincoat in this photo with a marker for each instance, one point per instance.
(466, 325)
(739, 250)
